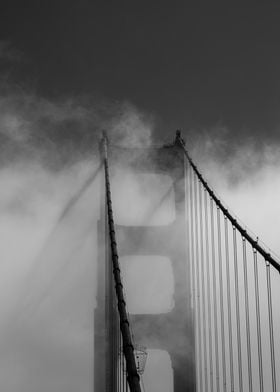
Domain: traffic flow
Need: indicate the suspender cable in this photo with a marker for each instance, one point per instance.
(229, 307)
(128, 349)
(120, 361)
(207, 251)
(267, 256)
(187, 223)
(258, 319)
(107, 313)
(236, 288)
(199, 324)
(117, 359)
(190, 209)
(203, 285)
(247, 312)
(192, 253)
(124, 375)
(270, 261)
(115, 346)
(126, 383)
(190, 237)
(214, 296)
(121, 373)
(221, 300)
(270, 321)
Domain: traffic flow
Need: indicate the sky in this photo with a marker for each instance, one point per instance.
(69, 69)
(193, 65)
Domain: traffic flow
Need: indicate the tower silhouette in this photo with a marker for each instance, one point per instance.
(172, 331)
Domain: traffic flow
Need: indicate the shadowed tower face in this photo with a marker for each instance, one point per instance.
(171, 331)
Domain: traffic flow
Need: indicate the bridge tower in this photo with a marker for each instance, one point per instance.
(172, 331)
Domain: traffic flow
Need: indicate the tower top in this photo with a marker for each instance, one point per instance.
(178, 139)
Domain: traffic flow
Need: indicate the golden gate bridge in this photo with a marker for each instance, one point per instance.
(221, 333)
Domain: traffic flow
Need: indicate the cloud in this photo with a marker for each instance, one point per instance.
(49, 204)
(50, 209)
(10, 54)
(62, 131)
(131, 128)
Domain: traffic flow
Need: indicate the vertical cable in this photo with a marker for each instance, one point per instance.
(187, 215)
(271, 333)
(124, 374)
(221, 299)
(199, 324)
(258, 319)
(203, 286)
(114, 345)
(125, 389)
(120, 366)
(207, 251)
(236, 253)
(119, 361)
(190, 175)
(192, 252)
(111, 335)
(214, 296)
(229, 307)
(190, 233)
(236, 287)
(247, 312)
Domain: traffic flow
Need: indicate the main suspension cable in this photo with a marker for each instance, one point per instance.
(215, 242)
(128, 349)
(267, 256)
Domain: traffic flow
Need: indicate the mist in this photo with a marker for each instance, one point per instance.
(50, 178)
(246, 178)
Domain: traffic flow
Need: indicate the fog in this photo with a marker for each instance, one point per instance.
(50, 178)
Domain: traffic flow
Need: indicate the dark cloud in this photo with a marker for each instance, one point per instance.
(8, 54)
(64, 130)
(192, 66)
